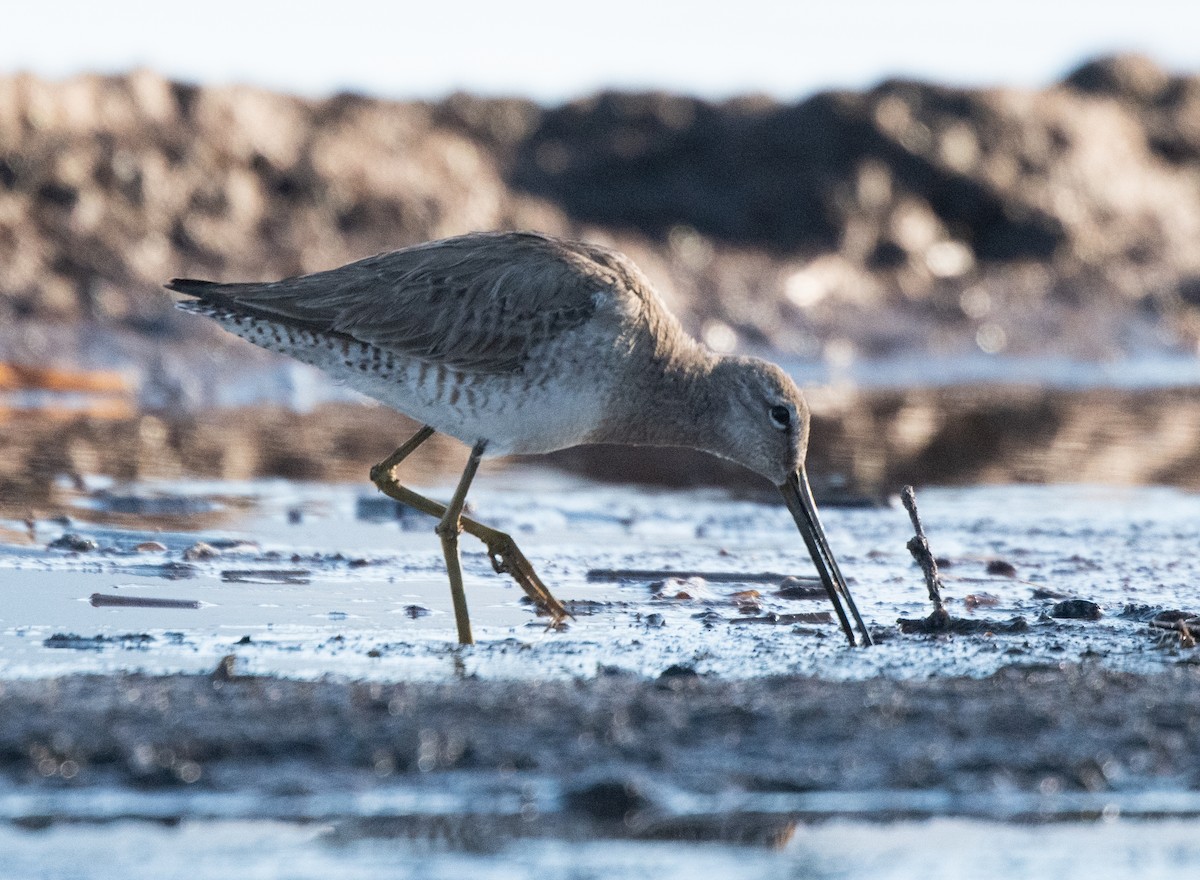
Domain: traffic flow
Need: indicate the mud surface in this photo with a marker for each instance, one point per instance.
(313, 579)
(264, 674)
(619, 755)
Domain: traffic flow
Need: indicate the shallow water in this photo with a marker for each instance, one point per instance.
(313, 580)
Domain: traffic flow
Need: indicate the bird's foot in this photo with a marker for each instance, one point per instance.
(508, 559)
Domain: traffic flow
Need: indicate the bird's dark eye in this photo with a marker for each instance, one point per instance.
(781, 416)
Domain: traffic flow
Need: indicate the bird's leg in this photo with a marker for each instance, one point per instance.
(505, 556)
(448, 529)
(382, 472)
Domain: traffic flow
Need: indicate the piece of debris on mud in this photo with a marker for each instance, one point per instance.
(1173, 616)
(1076, 609)
(75, 642)
(107, 600)
(1185, 623)
(266, 576)
(1142, 612)
(801, 588)
(918, 546)
(767, 830)
(201, 550)
(587, 607)
(961, 626)
(1046, 593)
(748, 602)
(612, 575)
(679, 670)
(773, 618)
(616, 801)
(682, 589)
(940, 622)
(171, 571)
(239, 545)
(1001, 567)
(73, 543)
(980, 600)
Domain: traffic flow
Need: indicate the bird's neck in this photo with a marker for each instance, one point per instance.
(670, 402)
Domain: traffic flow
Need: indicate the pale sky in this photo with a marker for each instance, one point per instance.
(553, 51)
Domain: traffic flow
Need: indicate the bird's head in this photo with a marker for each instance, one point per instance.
(764, 425)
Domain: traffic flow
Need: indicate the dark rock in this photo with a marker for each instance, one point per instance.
(610, 801)
(678, 670)
(1173, 616)
(1077, 609)
(1002, 568)
(199, 551)
(937, 624)
(1138, 611)
(1045, 593)
(74, 543)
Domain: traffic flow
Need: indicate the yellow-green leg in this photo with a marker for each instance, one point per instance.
(448, 529)
(505, 556)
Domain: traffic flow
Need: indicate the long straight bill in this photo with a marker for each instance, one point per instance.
(798, 495)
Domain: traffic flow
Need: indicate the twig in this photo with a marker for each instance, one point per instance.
(1187, 629)
(918, 546)
(715, 577)
(106, 600)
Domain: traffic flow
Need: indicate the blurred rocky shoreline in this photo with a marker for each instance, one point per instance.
(909, 217)
(909, 221)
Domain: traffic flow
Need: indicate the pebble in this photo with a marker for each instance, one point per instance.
(1077, 609)
(75, 543)
(1002, 568)
(200, 550)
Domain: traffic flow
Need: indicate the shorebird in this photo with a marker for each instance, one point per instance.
(519, 342)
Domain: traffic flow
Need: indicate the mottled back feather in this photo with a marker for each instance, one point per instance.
(478, 302)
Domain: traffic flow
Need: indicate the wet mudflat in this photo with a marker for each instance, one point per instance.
(309, 580)
(282, 677)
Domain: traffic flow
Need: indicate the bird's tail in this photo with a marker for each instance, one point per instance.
(192, 286)
(210, 297)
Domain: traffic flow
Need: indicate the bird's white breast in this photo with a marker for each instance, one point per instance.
(549, 405)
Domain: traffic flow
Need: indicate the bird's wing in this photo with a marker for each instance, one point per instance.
(479, 302)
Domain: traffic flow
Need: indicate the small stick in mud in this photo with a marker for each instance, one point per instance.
(918, 546)
(105, 600)
(603, 575)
